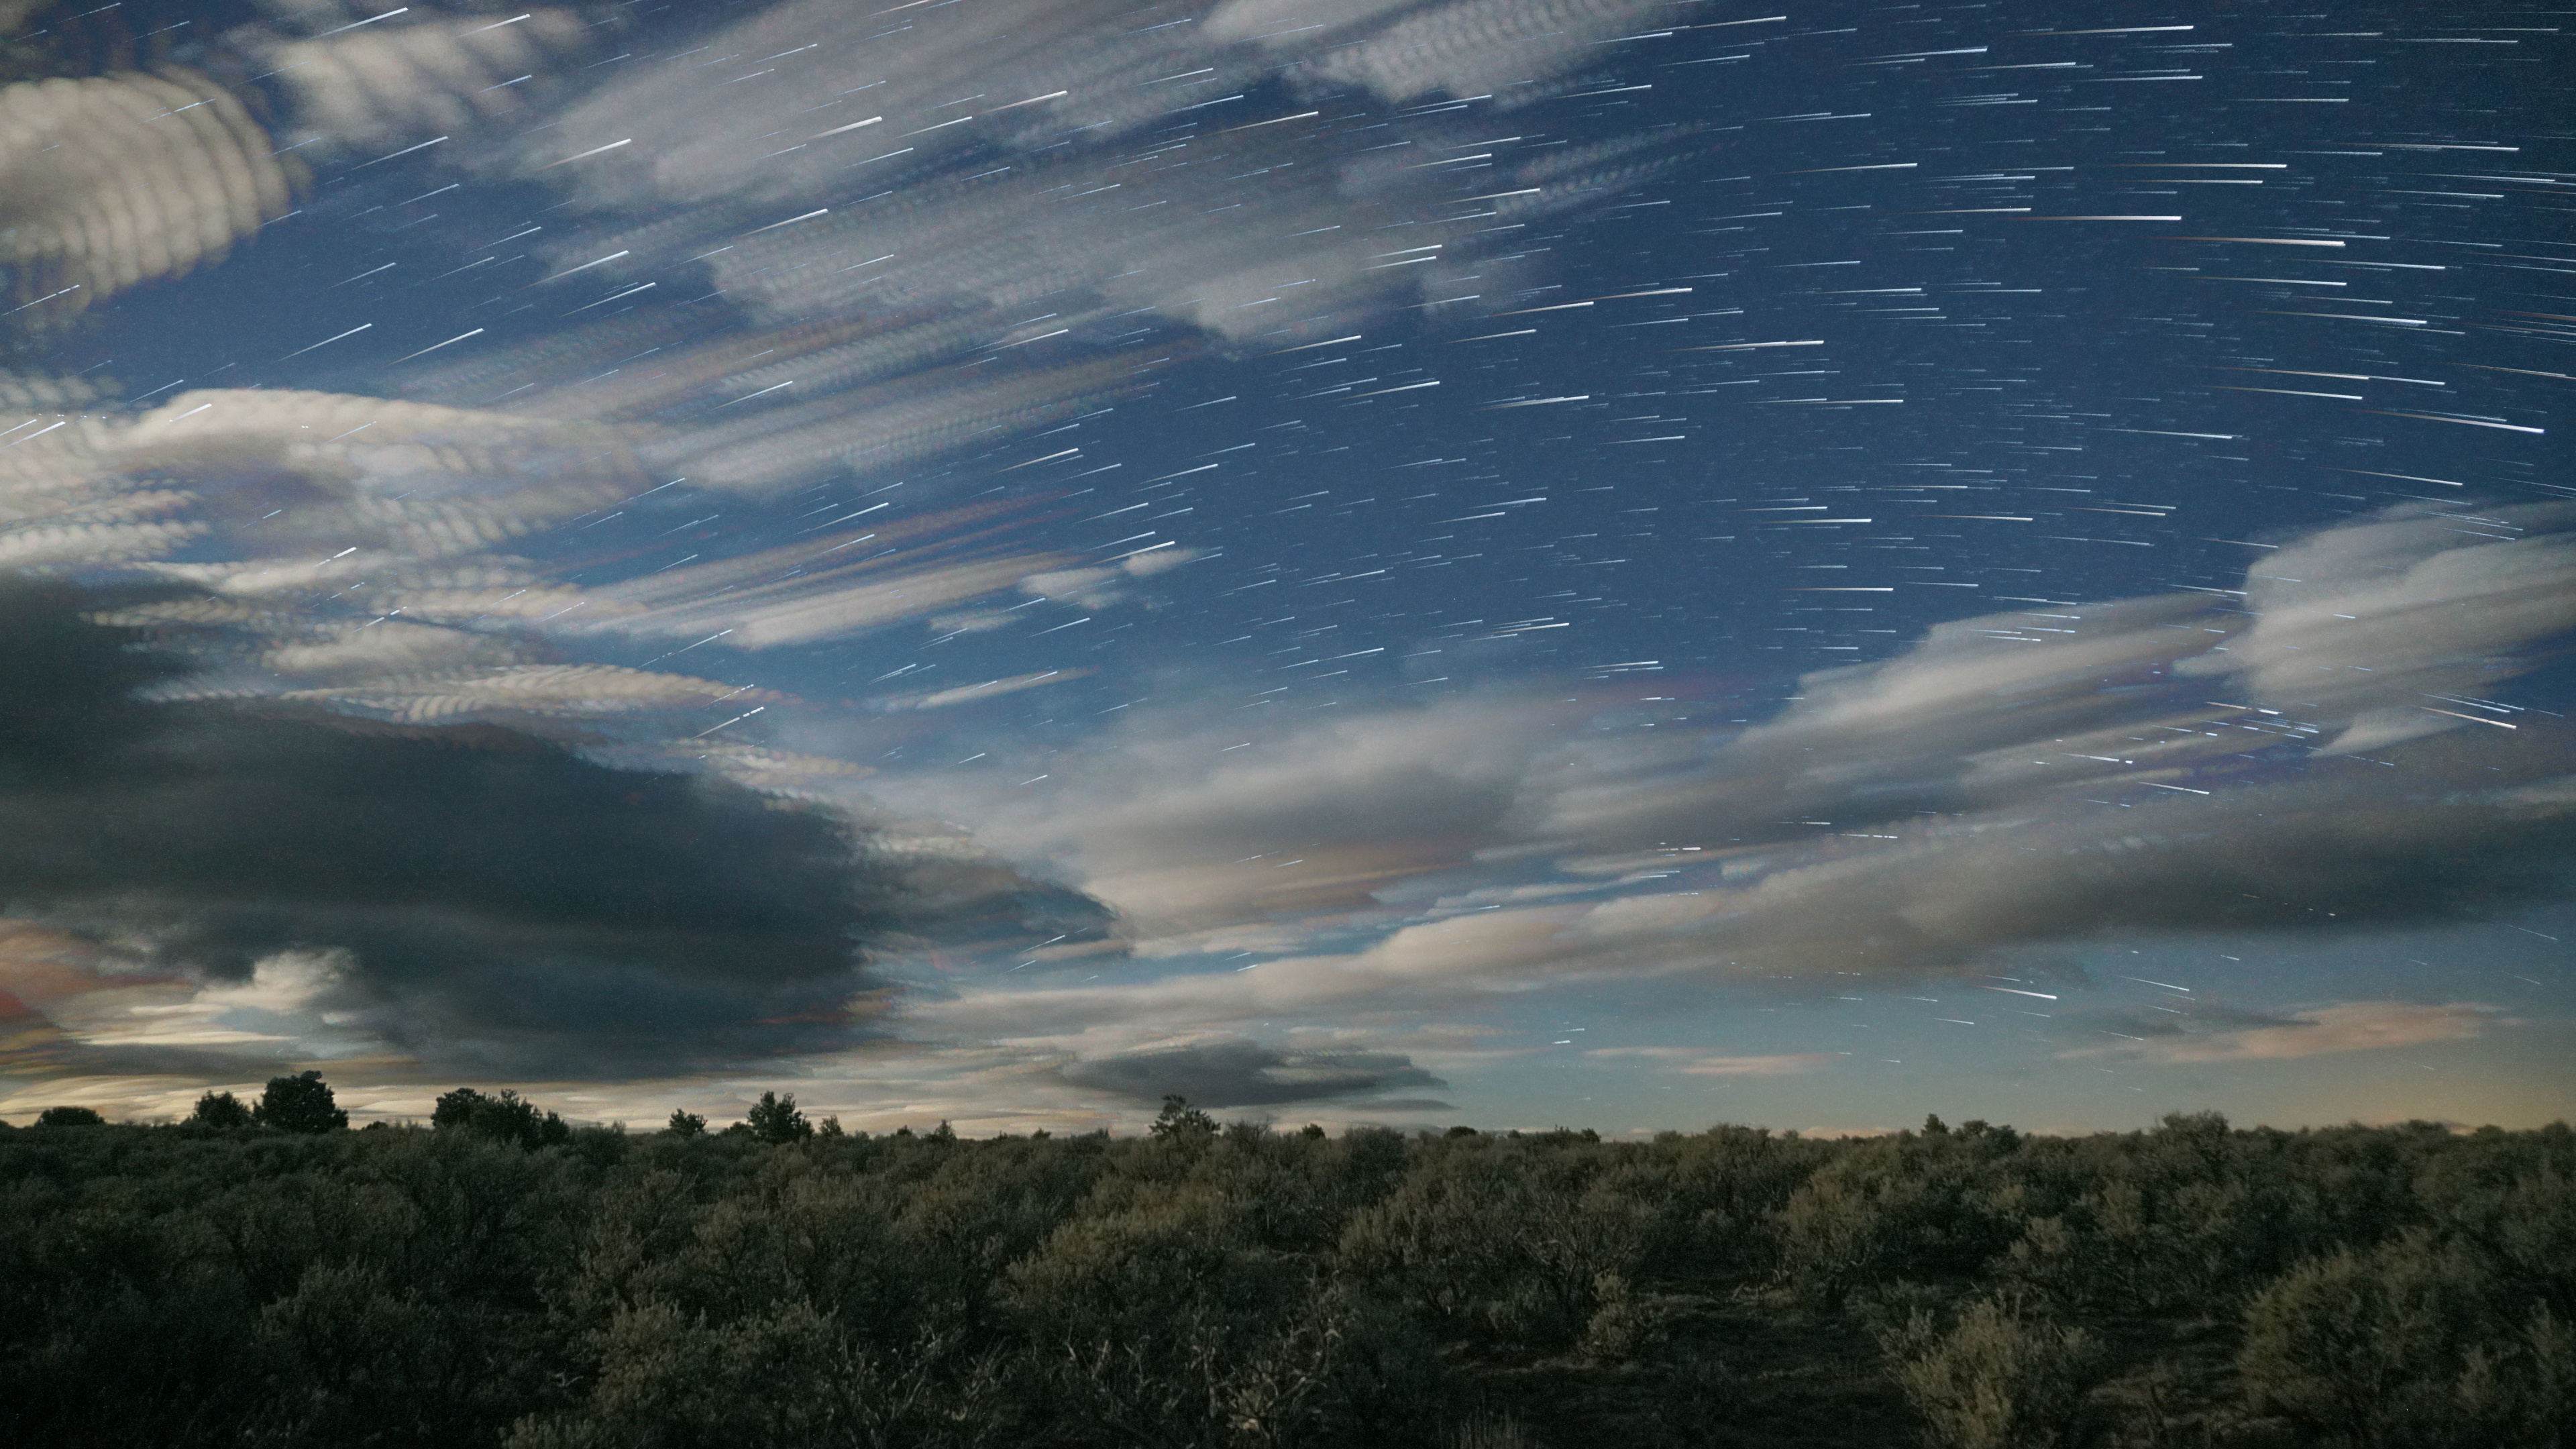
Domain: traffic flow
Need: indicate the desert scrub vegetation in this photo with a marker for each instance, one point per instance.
(262, 1275)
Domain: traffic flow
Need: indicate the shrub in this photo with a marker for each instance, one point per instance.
(2382, 1349)
(1505, 1241)
(2001, 1378)
(1622, 1326)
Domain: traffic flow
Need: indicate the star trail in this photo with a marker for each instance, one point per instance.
(1493, 560)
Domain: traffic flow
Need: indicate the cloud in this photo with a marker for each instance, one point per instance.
(1697, 1063)
(115, 180)
(1241, 1073)
(2378, 627)
(2334, 849)
(2343, 631)
(473, 896)
(956, 240)
(1481, 47)
(2353, 1026)
(388, 84)
(2008, 781)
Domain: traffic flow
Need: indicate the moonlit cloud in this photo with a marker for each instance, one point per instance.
(2382, 626)
(115, 180)
(407, 80)
(2353, 1026)
(1904, 817)
(1003, 559)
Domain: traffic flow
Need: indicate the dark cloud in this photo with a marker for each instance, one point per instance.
(1248, 1074)
(478, 897)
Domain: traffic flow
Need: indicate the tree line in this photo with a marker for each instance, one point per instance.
(261, 1275)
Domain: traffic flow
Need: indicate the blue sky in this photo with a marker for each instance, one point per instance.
(1621, 564)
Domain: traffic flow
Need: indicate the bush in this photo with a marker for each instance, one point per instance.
(2400, 1348)
(2001, 1378)
(1504, 1241)
(299, 1104)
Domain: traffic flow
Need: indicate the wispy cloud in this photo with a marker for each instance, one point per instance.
(1695, 1063)
(2353, 1026)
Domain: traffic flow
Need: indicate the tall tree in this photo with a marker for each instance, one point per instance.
(775, 1119)
(300, 1103)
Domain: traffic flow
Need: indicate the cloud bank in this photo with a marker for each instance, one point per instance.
(2168, 764)
(472, 896)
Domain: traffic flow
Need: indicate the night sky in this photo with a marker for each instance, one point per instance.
(1497, 561)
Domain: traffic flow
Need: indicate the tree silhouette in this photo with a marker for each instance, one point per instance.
(69, 1117)
(685, 1123)
(219, 1109)
(299, 1104)
(1181, 1120)
(775, 1119)
(508, 1117)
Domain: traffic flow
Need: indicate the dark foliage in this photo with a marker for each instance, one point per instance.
(220, 1109)
(506, 1279)
(69, 1117)
(299, 1104)
(1180, 1120)
(505, 1118)
(774, 1119)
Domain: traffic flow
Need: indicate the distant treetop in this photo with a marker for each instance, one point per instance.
(775, 1119)
(220, 1109)
(508, 1117)
(299, 1104)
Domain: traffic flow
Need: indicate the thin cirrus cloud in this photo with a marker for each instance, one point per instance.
(969, 223)
(1694, 1063)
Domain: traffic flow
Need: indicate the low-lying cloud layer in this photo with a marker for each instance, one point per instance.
(471, 896)
(1240, 1073)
